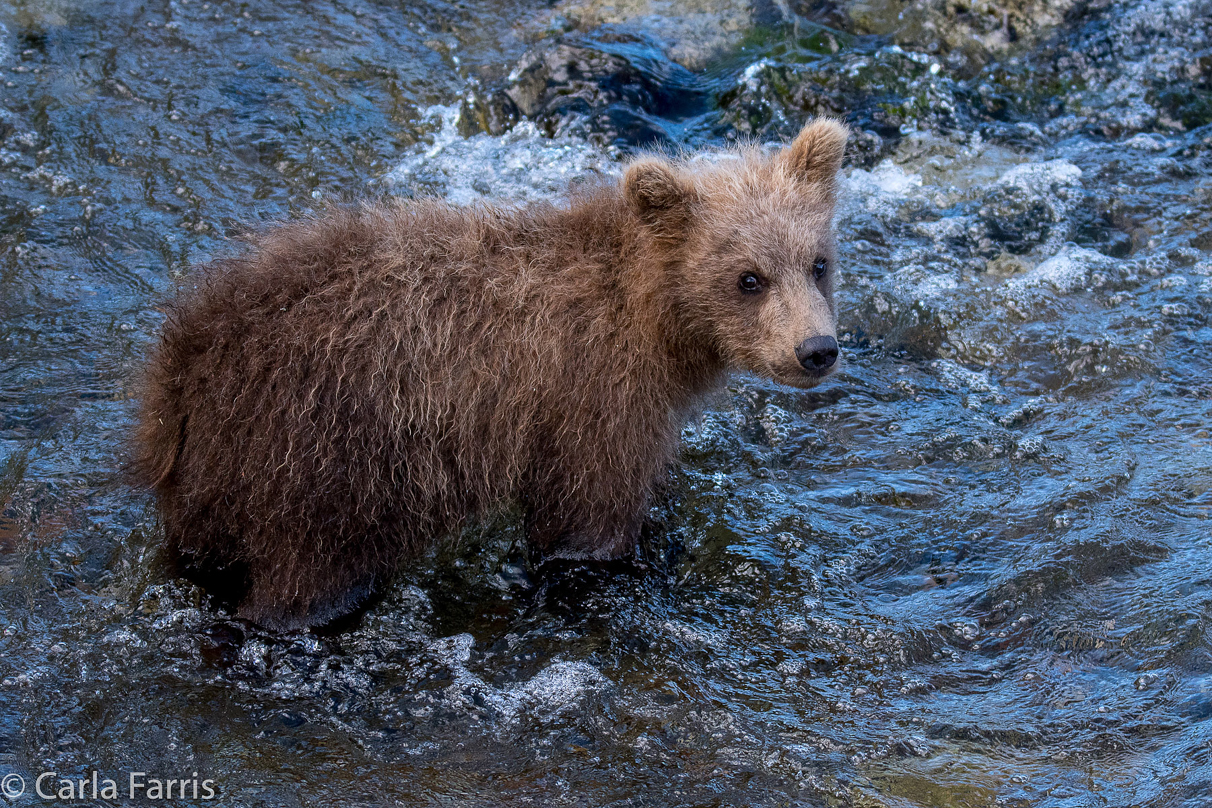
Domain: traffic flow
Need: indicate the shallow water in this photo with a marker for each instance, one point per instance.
(972, 570)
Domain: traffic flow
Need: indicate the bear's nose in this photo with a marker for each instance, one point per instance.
(817, 353)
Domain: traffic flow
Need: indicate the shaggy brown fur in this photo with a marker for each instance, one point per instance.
(363, 382)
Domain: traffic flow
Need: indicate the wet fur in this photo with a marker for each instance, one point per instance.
(361, 383)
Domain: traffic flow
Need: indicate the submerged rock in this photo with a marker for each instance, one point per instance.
(883, 93)
(1121, 67)
(1020, 73)
(1029, 206)
(966, 35)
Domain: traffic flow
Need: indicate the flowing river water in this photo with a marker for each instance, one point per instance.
(974, 569)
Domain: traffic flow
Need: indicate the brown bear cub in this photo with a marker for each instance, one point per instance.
(364, 382)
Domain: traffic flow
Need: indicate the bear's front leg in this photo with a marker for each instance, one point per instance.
(586, 520)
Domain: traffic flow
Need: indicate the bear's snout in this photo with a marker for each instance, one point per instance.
(817, 354)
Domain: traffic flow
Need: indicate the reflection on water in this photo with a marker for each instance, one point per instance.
(973, 570)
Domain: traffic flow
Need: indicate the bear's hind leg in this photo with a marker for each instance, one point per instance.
(325, 597)
(199, 547)
(323, 582)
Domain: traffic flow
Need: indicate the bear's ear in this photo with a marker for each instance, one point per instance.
(655, 193)
(816, 153)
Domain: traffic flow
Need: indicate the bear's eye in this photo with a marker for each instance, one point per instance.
(749, 283)
(819, 268)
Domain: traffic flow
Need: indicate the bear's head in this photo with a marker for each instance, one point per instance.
(749, 239)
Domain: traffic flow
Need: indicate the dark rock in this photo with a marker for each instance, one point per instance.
(1016, 221)
(1030, 206)
(495, 114)
(619, 88)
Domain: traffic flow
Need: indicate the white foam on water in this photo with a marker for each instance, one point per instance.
(1042, 178)
(1147, 142)
(777, 422)
(696, 637)
(1065, 272)
(1054, 183)
(887, 179)
(552, 690)
(957, 377)
(935, 287)
(880, 190)
(751, 73)
(521, 165)
(546, 695)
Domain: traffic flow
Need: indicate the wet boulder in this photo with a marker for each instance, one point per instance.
(494, 113)
(621, 90)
